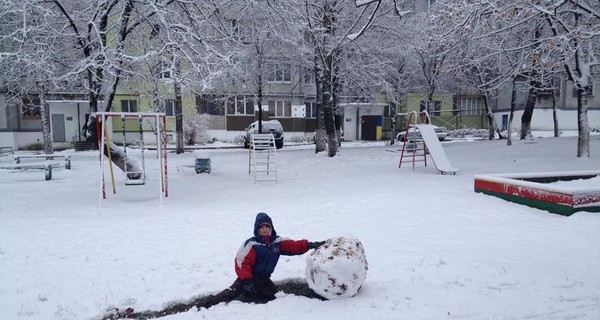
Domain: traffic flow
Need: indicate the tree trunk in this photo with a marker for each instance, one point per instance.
(327, 82)
(320, 140)
(158, 105)
(490, 118)
(178, 109)
(338, 113)
(45, 113)
(320, 143)
(583, 127)
(513, 102)
(393, 123)
(532, 94)
(120, 49)
(554, 110)
(93, 100)
(429, 102)
(328, 114)
(112, 93)
(493, 126)
(528, 112)
(259, 88)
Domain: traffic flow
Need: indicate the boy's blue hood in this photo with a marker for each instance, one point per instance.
(260, 218)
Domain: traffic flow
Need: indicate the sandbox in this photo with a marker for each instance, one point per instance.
(558, 192)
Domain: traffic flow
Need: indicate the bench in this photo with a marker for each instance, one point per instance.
(46, 165)
(6, 150)
(45, 156)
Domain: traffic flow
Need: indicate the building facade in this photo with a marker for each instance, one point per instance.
(565, 100)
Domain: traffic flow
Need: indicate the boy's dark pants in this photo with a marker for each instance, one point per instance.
(264, 287)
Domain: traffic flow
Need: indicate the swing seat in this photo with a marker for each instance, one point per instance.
(134, 179)
(138, 182)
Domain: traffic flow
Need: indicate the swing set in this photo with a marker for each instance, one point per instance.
(133, 175)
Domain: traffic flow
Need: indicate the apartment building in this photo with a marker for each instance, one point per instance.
(564, 98)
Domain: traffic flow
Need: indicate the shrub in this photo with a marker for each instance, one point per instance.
(34, 146)
(301, 139)
(238, 139)
(195, 129)
(468, 132)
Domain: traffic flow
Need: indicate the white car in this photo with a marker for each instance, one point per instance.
(268, 126)
(441, 133)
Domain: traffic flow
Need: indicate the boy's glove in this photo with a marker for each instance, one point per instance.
(316, 244)
(248, 287)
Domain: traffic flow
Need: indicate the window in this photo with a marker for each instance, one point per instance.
(170, 107)
(470, 105)
(545, 92)
(389, 111)
(433, 111)
(280, 108)
(240, 105)
(281, 72)
(309, 76)
(437, 106)
(311, 109)
(209, 104)
(128, 105)
(30, 108)
(164, 69)
(240, 31)
(589, 89)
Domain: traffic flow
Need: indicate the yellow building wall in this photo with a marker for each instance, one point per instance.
(142, 92)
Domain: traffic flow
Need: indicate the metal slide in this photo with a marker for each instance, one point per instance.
(440, 160)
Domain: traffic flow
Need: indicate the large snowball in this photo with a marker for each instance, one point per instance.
(337, 269)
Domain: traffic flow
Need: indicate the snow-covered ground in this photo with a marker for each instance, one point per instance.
(435, 248)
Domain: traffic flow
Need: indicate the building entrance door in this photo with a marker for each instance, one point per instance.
(58, 128)
(368, 128)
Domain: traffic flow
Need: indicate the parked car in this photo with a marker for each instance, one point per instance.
(271, 126)
(441, 133)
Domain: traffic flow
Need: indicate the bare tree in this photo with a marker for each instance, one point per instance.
(332, 25)
(574, 24)
(32, 58)
(538, 36)
(106, 59)
(258, 37)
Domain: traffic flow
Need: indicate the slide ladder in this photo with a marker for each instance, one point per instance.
(422, 138)
(413, 149)
(262, 157)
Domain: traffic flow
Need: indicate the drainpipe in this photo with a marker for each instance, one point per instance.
(78, 124)
(358, 123)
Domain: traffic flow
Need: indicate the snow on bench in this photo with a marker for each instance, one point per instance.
(45, 156)
(46, 165)
(6, 150)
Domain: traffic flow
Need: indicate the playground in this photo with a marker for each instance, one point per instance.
(436, 248)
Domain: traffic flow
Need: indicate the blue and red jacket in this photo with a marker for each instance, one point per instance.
(258, 256)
